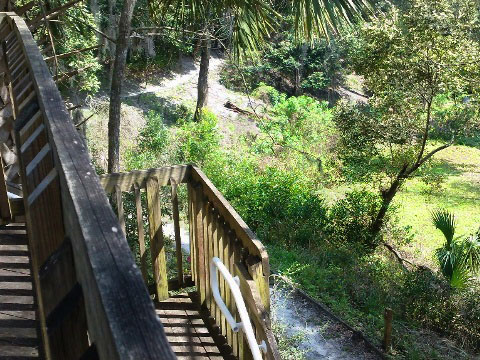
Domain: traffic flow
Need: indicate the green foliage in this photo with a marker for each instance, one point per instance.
(198, 139)
(315, 81)
(318, 65)
(152, 143)
(278, 205)
(418, 63)
(299, 122)
(459, 260)
(269, 94)
(350, 219)
(72, 32)
(296, 129)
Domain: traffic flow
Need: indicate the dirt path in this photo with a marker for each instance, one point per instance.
(319, 336)
(180, 87)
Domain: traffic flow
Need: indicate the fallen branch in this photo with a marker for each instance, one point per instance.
(70, 53)
(397, 256)
(231, 106)
(84, 121)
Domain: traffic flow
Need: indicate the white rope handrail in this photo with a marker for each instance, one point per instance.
(245, 324)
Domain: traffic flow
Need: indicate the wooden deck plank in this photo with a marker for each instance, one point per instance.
(186, 330)
(18, 322)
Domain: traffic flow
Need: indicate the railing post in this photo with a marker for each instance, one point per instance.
(157, 247)
(5, 213)
(199, 235)
(176, 226)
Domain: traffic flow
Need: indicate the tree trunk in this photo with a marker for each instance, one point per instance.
(300, 70)
(202, 98)
(387, 197)
(116, 89)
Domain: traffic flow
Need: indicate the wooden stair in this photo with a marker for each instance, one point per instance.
(18, 321)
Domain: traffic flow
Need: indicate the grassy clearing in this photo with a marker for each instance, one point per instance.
(460, 194)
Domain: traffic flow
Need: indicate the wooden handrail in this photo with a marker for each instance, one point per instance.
(215, 230)
(91, 297)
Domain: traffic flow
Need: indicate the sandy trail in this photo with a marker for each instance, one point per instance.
(181, 87)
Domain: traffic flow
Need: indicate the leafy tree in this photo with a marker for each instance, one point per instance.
(410, 59)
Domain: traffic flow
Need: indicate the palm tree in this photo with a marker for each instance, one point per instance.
(251, 22)
(459, 260)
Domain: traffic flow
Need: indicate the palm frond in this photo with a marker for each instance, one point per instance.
(461, 277)
(445, 222)
(322, 16)
(471, 247)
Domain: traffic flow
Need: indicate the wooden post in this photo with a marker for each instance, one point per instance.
(387, 338)
(120, 210)
(141, 234)
(176, 226)
(4, 201)
(157, 247)
(199, 223)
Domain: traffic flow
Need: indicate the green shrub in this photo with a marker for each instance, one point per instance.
(349, 219)
(198, 139)
(315, 81)
(152, 142)
(269, 94)
(279, 205)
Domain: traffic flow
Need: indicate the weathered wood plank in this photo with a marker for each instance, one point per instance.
(157, 247)
(208, 250)
(180, 174)
(176, 226)
(141, 233)
(191, 229)
(120, 210)
(199, 219)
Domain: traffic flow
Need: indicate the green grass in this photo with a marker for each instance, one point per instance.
(460, 194)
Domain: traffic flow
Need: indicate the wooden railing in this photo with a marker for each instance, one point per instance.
(215, 230)
(92, 302)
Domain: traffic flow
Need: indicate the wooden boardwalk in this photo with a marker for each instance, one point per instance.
(18, 324)
(184, 322)
(187, 332)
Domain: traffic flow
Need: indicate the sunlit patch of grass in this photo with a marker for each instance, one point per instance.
(460, 194)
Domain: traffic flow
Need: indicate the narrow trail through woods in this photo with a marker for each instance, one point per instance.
(180, 86)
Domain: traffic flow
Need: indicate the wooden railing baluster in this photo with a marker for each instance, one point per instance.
(141, 233)
(176, 226)
(120, 209)
(191, 229)
(157, 247)
(209, 253)
(199, 219)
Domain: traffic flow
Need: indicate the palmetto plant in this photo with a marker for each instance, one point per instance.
(459, 260)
